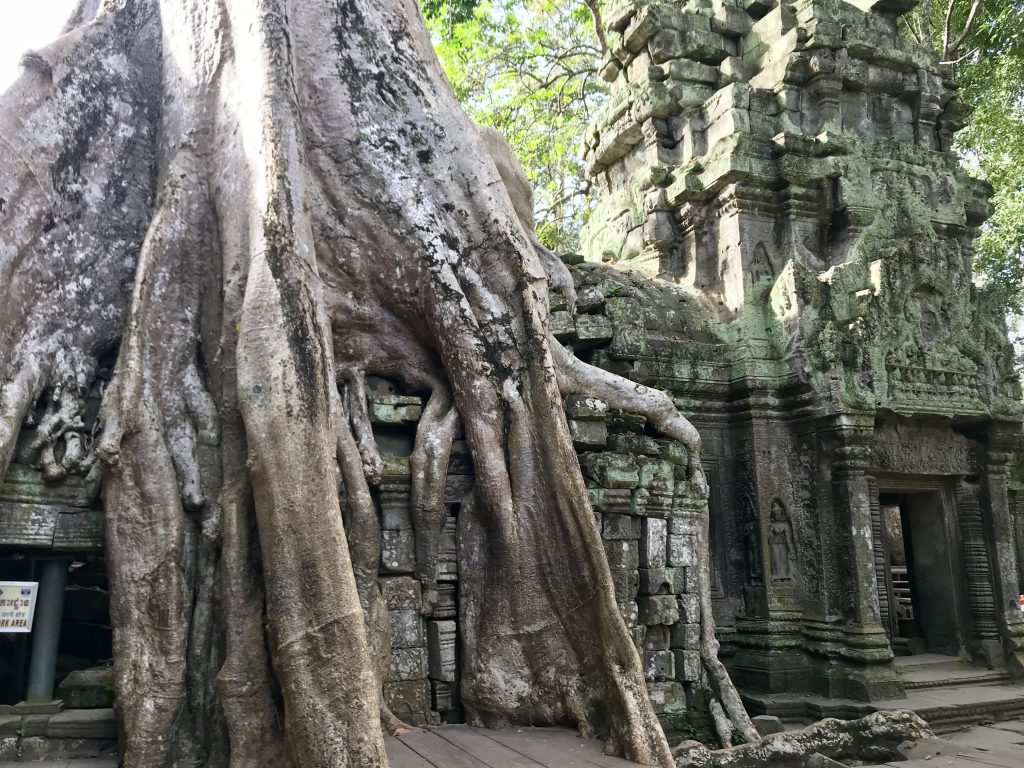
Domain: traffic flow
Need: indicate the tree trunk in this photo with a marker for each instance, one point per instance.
(257, 203)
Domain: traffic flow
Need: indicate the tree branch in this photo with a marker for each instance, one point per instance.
(595, 11)
(972, 20)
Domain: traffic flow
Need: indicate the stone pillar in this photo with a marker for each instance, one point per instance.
(1006, 608)
(882, 575)
(974, 551)
(770, 657)
(868, 672)
(46, 631)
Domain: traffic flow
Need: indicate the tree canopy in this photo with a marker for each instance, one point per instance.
(529, 68)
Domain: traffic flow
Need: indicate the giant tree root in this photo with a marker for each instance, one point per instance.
(871, 739)
(253, 201)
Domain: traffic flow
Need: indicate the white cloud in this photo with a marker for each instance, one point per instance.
(28, 25)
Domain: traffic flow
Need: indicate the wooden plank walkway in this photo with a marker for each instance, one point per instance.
(462, 746)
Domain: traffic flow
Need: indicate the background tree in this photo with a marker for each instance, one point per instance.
(983, 42)
(529, 68)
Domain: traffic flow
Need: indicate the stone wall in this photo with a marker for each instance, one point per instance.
(786, 166)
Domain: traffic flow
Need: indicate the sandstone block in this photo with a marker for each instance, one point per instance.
(616, 526)
(88, 688)
(684, 579)
(623, 555)
(83, 724)
(406, 629)
(588, 435)
(407, 698)
(610, 470)
(657, 581)
(657, 638)
(688, 666)
(766, 725)
(689, 609)
(626, 584)
(685, 637)
(401, 593)
(408, 664)
(658, 609)
(659, 666)
(681, 550)
(441, 646)
(653, 542)
(397, 552)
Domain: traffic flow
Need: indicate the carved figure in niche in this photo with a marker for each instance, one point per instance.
(781, 543)
(760, 265)
(751, 542)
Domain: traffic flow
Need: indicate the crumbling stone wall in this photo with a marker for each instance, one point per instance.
(787, 165)
(647, 512)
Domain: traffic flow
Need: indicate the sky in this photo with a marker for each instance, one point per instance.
(27, 25)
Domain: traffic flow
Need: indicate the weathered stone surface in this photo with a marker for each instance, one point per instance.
(657, 581)
(767, 724)
(659, 666)
(406, 629)
(407, 699)
(686, 636)
(83, 724)
(10, 725)
(88, 688)
(441, 645)
(654, 543)
(397, 552)
(658, 609)
(408, 664)
(616, 526)
(401, 593)
(622, 555)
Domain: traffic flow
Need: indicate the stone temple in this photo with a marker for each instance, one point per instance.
(784, 243)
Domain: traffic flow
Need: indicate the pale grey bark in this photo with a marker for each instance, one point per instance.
(259, 203)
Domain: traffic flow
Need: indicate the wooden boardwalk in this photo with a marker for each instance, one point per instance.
(462, 746)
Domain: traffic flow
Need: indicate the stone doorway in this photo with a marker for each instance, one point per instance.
(920, 590)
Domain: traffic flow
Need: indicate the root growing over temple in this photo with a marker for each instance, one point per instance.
(255, 246)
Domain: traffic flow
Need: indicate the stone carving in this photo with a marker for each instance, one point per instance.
(781, 544)
(752, 542)
(980, 598)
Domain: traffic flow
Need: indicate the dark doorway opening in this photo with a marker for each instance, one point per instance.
(920, 578)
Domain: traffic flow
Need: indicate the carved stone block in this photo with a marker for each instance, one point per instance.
(659, 666)
(441, 650)
(401, 593)
(447, 551)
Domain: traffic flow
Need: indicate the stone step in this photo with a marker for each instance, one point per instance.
(945, 709)
(972, 677)
(949, 708)
(930, 670)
